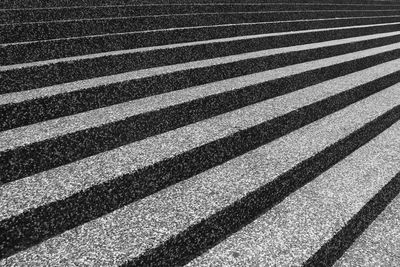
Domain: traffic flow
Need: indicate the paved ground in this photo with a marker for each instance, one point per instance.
(199, 133)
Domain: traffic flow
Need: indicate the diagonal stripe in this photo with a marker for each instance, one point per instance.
(54, 5)
(198, 238)
(26, 135)
(293, 230)
(204, 4)
(124, 78)
(379, 244)
(129, 137)
(30, 78)
(331, 251)
(39, 110)
(76, 177)
(37, 157)
(129, 231)
(61, 182)
(274, 24)
(121, 192)
(197, 14)
(18, 53)
(125, 53)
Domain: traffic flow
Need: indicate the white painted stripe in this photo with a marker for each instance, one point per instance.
(209, 26)
(131, 230)
(193, 14)
(295, 229)
(17, 97)
(63, 181)
(138, 50)
(193, 4)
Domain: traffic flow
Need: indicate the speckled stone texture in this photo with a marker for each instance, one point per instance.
(379, 245)
(105, 166)
(199, 133)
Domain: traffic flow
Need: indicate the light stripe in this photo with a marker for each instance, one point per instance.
(17, 97)
(138, 50)
(56, 127)
(287, 234)
(379, 244)
(60, 182)
(131, 230)
(195, 14)
(295, 229)
(210, 26)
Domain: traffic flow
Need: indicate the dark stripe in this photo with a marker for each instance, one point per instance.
(69, 3)
(63, 72)
(199, 238)
(52, 30)
(18, 16)
(57, 217)
(73, 47)
(331, 251)
(51, 153)
(41, 109)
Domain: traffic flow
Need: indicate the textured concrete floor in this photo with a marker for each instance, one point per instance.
(265, 164)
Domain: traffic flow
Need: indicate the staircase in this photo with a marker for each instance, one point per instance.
(199, 133)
